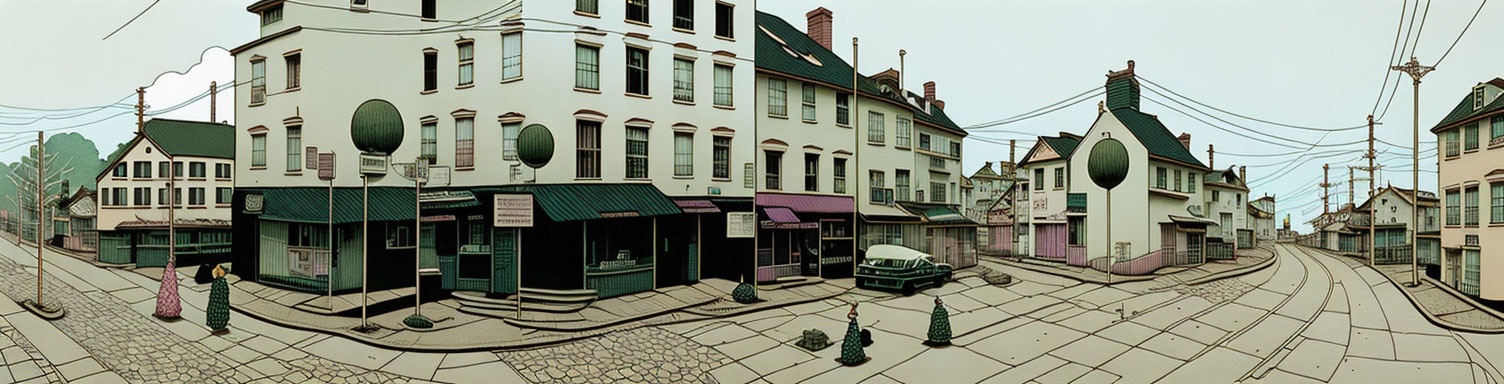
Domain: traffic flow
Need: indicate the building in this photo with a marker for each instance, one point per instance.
(1225, 198)
(637, 157)
(1261, 219)
(991, 210)
(1392, 209)
(1046, 214)
(80, 210)
(1470, 177)
(133, 209)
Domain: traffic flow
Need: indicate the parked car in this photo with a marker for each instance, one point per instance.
(894, 267)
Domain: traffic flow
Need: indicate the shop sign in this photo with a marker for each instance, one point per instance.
(613, 215)
(515, 211)
(741, 225)
(254, 203)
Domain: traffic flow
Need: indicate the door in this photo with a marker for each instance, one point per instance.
(1194, 248)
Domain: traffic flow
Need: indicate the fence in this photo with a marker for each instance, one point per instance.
(1075, 255)
(1147, 263)
(1220, 251)
(1394, 254)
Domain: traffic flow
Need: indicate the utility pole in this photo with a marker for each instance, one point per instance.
(1013, 193)
(1325, 189)
(213, 95)
(1416, 71)
(1351, 195)
(1211, 156)
(140, 109)
(41, 186)
(1373, 250)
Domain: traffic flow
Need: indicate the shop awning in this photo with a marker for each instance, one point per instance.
(448, 199)
(574, 202)
(1190, 221)
(697, 206)
(310, 205)
(877, 213)
(781, 215)
(807, 203)
(939, 214)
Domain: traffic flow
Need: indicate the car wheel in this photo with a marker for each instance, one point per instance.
(908, 289)
(940, 281)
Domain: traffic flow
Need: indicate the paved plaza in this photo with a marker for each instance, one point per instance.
(1310, 317)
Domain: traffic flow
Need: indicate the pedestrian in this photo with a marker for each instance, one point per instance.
(218, 312)
(851, 346)
(169, 305)
(939, 325)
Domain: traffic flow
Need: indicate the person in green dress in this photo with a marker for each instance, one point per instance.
(851, 346)
(939, 325)
(218, 312)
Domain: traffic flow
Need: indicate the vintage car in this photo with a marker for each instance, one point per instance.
(894, 267)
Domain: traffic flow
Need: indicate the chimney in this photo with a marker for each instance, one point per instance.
(1243, 173)
(213, 96)
(1211, 156)
(1185, 140)
(1122, 88)
(901, 72)
(820, 21)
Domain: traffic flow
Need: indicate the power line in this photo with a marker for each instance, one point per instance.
(1012, 118)
(1464, 32)
(1318, 129)
(1392, 51)
(132, 20)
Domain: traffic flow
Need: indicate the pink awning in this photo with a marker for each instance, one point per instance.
(781, 215)
(697, 206)
(807, 203)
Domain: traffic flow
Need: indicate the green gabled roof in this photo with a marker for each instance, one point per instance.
(573, 202)
(192, 138)
(1464, 110)
(1063, 146)
(937, 116)
(1154, 136)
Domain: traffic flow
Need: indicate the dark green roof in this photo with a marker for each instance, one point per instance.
(936, 116)
(1154, 136)
(192, 138)
(1464, 110)
(572, 202)
(938, 214)
(310, 205)
(1063, 146)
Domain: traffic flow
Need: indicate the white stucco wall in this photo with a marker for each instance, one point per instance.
(110, 216)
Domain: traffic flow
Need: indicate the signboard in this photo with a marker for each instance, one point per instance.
(515, 211)
(438, 218)
(254, 203)
(741, 225)
(326, 166)
(438, 176)
(311, 158)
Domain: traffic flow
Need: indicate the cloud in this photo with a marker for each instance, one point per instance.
(174, 89)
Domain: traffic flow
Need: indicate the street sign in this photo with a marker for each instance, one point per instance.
(326, 166)
(311, 158)
(741, 224)
(514, 211)
(438, 176)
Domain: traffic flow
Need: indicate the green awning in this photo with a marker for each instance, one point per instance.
(939, 214)
(574, 202)
(310, 205)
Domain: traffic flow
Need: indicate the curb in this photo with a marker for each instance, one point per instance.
(1232, 273)
(1118, 279)
(1416, 303)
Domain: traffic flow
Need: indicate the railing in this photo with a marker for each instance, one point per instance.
(1220, 251)
(1075, 255)
(1394, 254)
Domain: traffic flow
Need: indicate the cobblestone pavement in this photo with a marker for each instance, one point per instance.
(639, 355)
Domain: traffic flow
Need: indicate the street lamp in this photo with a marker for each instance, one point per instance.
(376, 130)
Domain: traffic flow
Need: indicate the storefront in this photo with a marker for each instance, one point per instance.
(949, 236)
(286, 237)
(804, 235)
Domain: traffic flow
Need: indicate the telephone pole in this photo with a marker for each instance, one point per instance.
(1372, 190)
(1013, 197)
(1325, 189)
(1416, 71)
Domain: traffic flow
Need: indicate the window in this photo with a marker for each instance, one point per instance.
(1470, 272)
(637, 153)
(723, 86)
(430, 11)
(1471, 139)
(684, 14)
(725, 20)
(1216, 195)
(843, 108)
(221, 171)
(509, 140)
(307, 235)
(467, 62)
(840, 175)
(294, 148)
(511, 55)
(164, 168)
(684, 80)
(1477, 96)
(464, 142)
(1159, 178)
(177, 170)
(721, 153)
(294, 70)
(1177, 180)
(1076, 230)
(120, 198)
(637, 10)
(430, 71)
(196, 196)
(773, 165)
(258, 81)
(812, 172)
(120, 170)
(587, 150)
(877, 187)
(1060, 178)
(258, 150)
(905, 132)
(142, 195)
(143, 170)
(1496, 196)
(1470, 206)
(357, 3)
(1454, 207)
(1039, 179)
(271, 15)
(222, 195)
(1454, 144)
(429, 142)
(587, 6)
(197, 170)
(637, 70)
(587, 67)
(955, 149)
(1190, 183)
(876, 128)
(399, 235)
(901, 183)
(778, 98)
(937, 190)
(684, 154)
(808, 100)
(924, 141)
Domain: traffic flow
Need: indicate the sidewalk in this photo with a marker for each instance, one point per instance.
(1248, 260)
(1442, 305)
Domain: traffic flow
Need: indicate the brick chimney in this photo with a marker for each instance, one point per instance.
(1243, 173)
(1185, 140)
(820, 28)
(929, 95)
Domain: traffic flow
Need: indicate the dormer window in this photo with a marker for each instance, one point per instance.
(271, 15)
(1478, 97)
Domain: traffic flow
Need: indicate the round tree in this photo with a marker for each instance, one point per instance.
(376, 127)
(1108, 163)
(535, 145)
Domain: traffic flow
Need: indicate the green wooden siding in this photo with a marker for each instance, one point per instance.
(504, 260)
(692, 274)
(114, 248)
(619, 283)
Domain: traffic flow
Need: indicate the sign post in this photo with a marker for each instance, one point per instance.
(325, 166)
(514, 211)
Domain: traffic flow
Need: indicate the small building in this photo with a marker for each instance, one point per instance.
(1226, 203)
(80, 211)
(1392, 209)
(1261, 213)
(196, 158)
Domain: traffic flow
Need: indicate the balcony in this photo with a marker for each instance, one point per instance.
(1075, 202)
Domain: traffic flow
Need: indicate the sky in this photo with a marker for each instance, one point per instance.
(1313, 64)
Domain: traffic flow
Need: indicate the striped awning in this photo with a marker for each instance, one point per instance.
(807, 203)
(697, 206)
(781, 215)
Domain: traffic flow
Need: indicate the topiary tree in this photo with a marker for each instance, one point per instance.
(744, 293)
(851, 346)
(169, 305)
(218, 312)
(939, 325)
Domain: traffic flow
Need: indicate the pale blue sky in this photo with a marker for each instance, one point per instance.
(1305, 63)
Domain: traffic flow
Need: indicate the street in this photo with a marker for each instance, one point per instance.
(1309, 318)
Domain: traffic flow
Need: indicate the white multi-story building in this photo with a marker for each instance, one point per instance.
(644, 140)
(133, 204)
(1470, 140)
